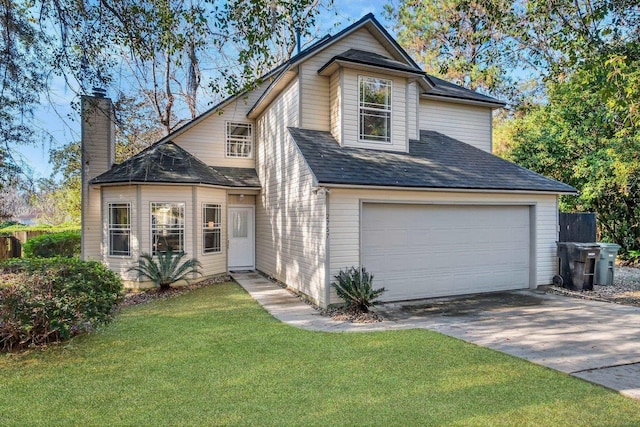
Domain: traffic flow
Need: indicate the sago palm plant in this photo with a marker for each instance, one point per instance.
(354, 286)
(167, 269)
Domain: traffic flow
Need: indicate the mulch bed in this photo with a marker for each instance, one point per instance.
(144, 296)
(340, 314)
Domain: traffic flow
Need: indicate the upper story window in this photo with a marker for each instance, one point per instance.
(167, 227)
(374, 109)
(119, 229)
(239, 140)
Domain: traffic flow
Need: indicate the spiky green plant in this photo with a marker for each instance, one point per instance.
(167, 269)
(353, 286)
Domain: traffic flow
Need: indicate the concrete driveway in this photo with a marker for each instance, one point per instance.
(596, 341)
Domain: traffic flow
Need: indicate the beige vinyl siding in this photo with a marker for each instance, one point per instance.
(206, 140)
(91, 223)
(121, 264)
(412, 111)
(290, 232)
(314, 89)
(235, 199)
(350, 131)
(335, 88)
(344, 223)
(468, 123)
(216, 262)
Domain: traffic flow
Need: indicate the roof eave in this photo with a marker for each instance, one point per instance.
(334, 64)
(285, 77)
(224, 187)
(442, 189)
(460, 100)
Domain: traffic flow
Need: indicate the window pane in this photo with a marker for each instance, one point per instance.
(375, 125)
(212, 241)
(240, 226)
(375, 93)
(166, 239)
(119, 243)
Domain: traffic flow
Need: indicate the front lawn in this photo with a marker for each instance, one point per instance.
(213, 356)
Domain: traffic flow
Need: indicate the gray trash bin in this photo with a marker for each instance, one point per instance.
(606, 264)
(577, 265)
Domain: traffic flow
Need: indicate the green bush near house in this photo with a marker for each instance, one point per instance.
(65, 244)
(9, 227)
(44, 300)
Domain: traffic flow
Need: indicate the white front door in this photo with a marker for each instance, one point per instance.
(241, 238)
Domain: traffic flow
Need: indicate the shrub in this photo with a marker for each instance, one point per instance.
(167, 269)
(64, 244)
(353, 286)
(45, 300)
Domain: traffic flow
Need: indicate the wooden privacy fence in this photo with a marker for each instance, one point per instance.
(577, 227)
(11, 246)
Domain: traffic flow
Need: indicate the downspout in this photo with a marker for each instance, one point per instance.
(327, 253)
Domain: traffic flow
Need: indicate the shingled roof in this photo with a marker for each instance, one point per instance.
(369, 58)
(435, 161)
(443, 88)
(167, 163)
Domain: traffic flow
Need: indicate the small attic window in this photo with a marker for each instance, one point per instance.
(239, 140)
(374, 109)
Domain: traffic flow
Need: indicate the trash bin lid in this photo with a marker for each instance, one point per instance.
(609, 246)
(577, 244)
(584, 246)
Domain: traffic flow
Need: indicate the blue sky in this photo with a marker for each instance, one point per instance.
(60, 124)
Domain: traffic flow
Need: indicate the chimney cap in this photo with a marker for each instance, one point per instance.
(99, 92)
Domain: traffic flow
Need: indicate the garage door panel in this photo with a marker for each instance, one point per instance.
(420, 251)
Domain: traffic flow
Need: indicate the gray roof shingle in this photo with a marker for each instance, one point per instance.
(370, 58)
(449, 90)
(170, 164)
(435, 161)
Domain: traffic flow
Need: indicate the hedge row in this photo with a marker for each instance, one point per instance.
(64, 244)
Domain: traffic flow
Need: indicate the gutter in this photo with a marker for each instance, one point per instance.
(184, 184)
(444, 190)
(460, 100)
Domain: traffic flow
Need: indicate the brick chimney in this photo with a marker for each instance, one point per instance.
(98, 156)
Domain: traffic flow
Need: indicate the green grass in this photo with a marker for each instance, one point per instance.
(213, 356)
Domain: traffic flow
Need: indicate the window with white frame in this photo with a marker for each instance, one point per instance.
(239, 139)
(119, 229)
(211, 228)
(167, 227)
(374, 109)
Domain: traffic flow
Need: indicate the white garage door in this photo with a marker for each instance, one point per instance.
(422, 251)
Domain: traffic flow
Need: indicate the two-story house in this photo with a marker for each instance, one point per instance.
(347, 155)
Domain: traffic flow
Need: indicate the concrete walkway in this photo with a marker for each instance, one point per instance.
(595, 341)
